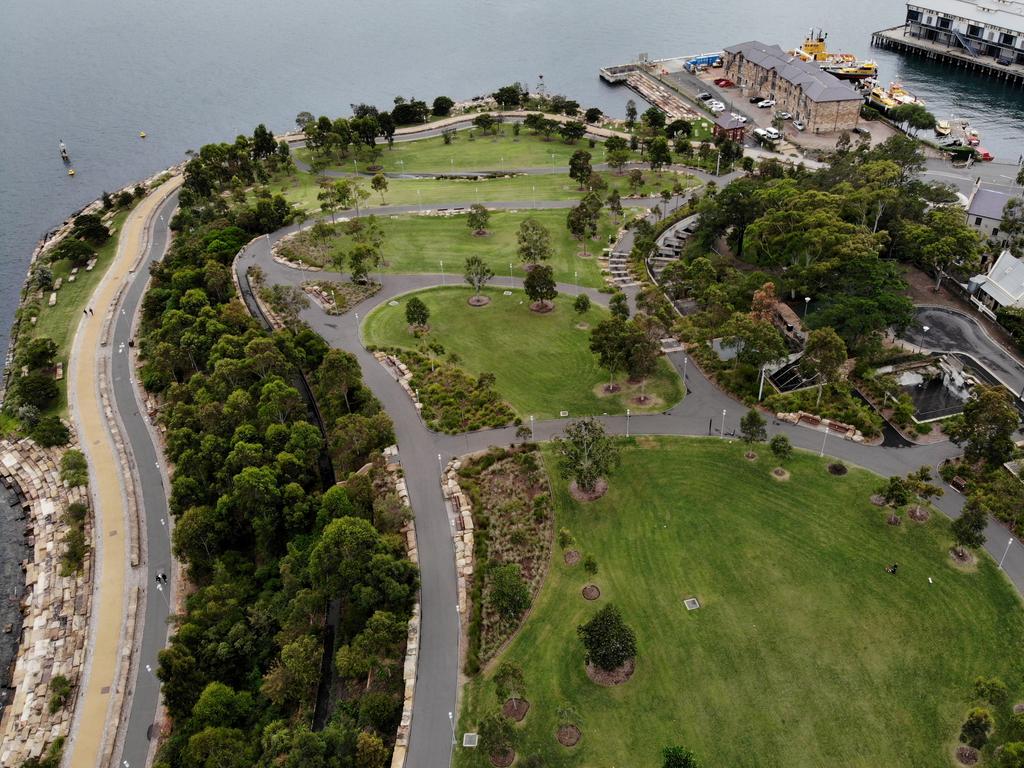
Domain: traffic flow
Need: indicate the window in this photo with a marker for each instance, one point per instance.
(1008, 40)
(995, 231)
(973, 31)
(944, 23)
(977, 221)
(913, 15)
(927, 19)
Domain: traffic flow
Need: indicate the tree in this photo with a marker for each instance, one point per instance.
(90, 226)
(610, 342)
(496, 734)
(572, 131)
(986, 427)
(335, 195)
(540, 285)
(618, 305)
(753, 427)
(1012, 223)
(608, 641)
(677, 757)
(592, 115)
(636, 180)
(630, 113)
(658, 153)
(824, 355)
(478, 218)
(1012, 755)
(969, 529)
(442, 106)
(50, 431)
(582, 223)
(507, 592)
(263, 143)
(38, 389)
(416, 312)
(371, 751)
(895, 492)
(509, 682)
(976, 727)
(615, 203)
(581, 304)
(757, 343)
(534, 241)
(587, 453)
(485, 122)
(942, 242)
(617, 159)
(379, 183)
(510, 96)
(362, 258)
(77, 252)
(304, 119)
(38, 353)
(477, 273)
(580, 167)
(781, 448)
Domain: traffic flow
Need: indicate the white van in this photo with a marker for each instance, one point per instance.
(772, 134)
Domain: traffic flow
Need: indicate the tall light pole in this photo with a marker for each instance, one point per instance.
(534, 188)
(723, 423)
(510, 274)
(451, 719)
(822, 451)
(1004, 552)
(627, 422)
(760, 388)
(807, 301)
(532, 435)
(440, 465)
(575, 282)
(419, 200)
(686, 360)
(920, 347)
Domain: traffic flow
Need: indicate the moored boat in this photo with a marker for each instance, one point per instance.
(890, 98)
(845, 66)
(942, 128)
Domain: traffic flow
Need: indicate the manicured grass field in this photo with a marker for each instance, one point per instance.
(542, 362)
(419, 244)
(302, 189)
(805, 652)
(482, 153)
(60, 321)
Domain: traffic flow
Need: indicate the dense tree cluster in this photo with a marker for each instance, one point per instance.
(267, 539)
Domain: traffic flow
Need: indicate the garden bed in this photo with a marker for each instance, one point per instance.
(336, 297)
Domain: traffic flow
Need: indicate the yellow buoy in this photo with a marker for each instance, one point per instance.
(71, 171)
(142, 134)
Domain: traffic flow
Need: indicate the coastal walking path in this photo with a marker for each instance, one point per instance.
(96, 701)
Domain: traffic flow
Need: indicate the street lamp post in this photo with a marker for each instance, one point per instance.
(534, 188)
(419, 200)
(723, 423)
(686, 360)
(822, 451)
(760, 388)
(451, 719)
(920, 347)
(440, 465)
(576, 281)
(442, 271)
(807, 301)
(1004, 552)
(532, 435)
(510, 274)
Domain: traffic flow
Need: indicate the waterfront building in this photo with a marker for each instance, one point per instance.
(977, 27)
(985, 212)
(822, 101)
(1001, 286)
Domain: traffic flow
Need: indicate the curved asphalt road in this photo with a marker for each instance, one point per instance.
(144, 689)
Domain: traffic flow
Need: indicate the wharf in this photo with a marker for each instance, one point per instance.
(899, 39)
(647, 78)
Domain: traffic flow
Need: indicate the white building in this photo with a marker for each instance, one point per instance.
(1002, 286)
(980, 27)
(985, 211)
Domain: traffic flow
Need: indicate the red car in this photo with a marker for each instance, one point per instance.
(723, 82)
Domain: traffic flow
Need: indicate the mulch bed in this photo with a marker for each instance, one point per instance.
(583, 326)
(615, 677)
(837, 469)
(542, 307)
(894, 519)
(479, 301)
(877, 500)
(780, 474)
(919, 514)
(568, 735)
(591, 592)
(600, 489)
(516, 709)
(610, 389)
(966, 559)
(966, 755)
(503, 759)
(750, 456)
(572, 557)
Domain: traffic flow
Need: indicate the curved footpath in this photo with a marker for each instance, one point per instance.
(100, 696)
(422, 452)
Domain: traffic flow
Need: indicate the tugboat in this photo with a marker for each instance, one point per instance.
(63, 151)
(894, 96)
(845, 66)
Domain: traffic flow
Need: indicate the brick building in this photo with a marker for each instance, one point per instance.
(824, 102)
(730, 126)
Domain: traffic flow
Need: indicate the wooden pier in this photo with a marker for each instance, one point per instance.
(898, 39)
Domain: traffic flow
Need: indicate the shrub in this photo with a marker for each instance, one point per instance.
(75, 548)
(677, 757)
(565, 538)
(60, 690)
(582, 303)
(590, 564)
(990, 689)
(976, 727)
(508, 593)
(74, 470)
(50, 431)
(379, 711)
(780, 447)
(609, 643)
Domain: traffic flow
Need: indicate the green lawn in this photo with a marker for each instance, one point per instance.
(542, 363)
(60, 321)
(481, 153)
(302, 189)
(805, 652)
(420, 243)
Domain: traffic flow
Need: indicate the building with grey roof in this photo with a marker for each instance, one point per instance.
(976, 27)
(1001, 286)
(985, 212)
(824, 102)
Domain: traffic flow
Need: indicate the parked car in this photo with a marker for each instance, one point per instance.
(738, 117)
(1004, 61)
(799, 125)
(716, 106)
(704, 96)
(766, 103)
(754, 99)
(861, 131)
(724, 82)
(783, 115)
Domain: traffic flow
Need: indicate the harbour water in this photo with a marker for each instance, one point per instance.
(191, 72)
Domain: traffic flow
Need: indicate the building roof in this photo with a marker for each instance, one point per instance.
(1005, 281)
(1008, 14)
(729, 122)
(987, 203)
(817, 84)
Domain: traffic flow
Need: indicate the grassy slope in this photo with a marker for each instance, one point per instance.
(542, 363)
(60, 321)
(805, 653)
(302, 189)
(420, 243)
(479, 154)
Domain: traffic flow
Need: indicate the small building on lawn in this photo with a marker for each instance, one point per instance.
(1001, 286)
(730, 126)
(985, 211)
(822, 101)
